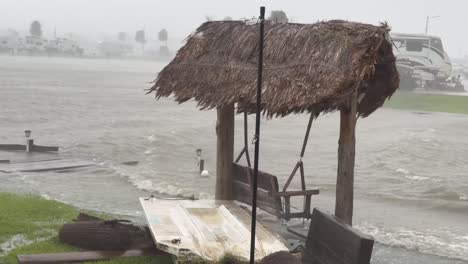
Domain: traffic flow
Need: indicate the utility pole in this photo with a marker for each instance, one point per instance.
(427, 22)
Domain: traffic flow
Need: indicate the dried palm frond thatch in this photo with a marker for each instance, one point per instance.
(311, 68)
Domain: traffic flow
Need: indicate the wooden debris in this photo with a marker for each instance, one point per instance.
(282, 257)
(92, 233)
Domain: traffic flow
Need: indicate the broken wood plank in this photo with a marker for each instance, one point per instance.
(76, 257)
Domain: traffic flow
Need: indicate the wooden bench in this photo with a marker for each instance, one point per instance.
(269, 198)
(330, 241)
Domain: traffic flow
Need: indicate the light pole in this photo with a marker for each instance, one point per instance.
(427, 22)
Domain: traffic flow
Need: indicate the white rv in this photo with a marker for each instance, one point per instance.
(425, 57)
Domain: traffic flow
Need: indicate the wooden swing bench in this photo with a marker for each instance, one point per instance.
(269, 197)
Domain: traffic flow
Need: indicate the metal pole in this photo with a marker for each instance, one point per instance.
(246, 144)
(427, 24)
(257, 138)
(306, 138)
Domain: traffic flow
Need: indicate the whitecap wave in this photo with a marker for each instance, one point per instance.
(444, 244)
(402, 171)
(160, 186)
(416, 178)
(152, 138)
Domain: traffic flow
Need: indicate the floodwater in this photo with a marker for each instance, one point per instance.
(411, 167)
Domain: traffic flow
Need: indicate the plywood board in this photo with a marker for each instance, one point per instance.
(205, 228)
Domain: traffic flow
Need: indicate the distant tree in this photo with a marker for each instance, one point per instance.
(228, 18)
(209, 18)
(140, 38)
(162, 35)
(122, 36)
(278, 16)
(36, 29)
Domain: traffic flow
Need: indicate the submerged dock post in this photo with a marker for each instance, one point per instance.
(224, 152)
(29, 142)
(202, 165)
(346, 158)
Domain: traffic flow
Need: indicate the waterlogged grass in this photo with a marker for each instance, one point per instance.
(429, 102)
(31, 217)
(36, 221)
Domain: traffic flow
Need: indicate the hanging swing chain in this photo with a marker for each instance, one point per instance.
(299, 164)
(245, 150)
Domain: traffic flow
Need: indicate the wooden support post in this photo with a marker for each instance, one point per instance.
(346, 156)
(225, 153)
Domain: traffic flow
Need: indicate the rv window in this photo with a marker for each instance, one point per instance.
(436, 43)
(414, 45)
(398, 42)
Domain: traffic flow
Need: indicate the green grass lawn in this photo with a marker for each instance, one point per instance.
(37, 221)
(429, 102)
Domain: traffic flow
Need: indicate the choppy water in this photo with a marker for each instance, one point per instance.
(411, 168)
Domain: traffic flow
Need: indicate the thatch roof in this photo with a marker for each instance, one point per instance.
(311, 68)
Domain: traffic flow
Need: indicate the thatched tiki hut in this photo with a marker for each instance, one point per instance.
(318, 68)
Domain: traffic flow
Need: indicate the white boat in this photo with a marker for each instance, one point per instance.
(205, 229)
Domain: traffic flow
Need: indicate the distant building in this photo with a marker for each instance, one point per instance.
(64, 46)
(32, 45)
(8, 43)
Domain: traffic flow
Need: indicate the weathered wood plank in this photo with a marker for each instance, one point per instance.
(76, 257)
(224, 152)
(267, 184)
(242, 192)
(330, 240)
(44, 165)
(297, 193)
(265, 180)
(39, 148)
(12, 147)
(346, 157)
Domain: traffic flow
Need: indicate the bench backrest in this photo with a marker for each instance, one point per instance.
(267, 184)
(331, 241)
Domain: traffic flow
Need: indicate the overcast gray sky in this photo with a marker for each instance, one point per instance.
(180, 17)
